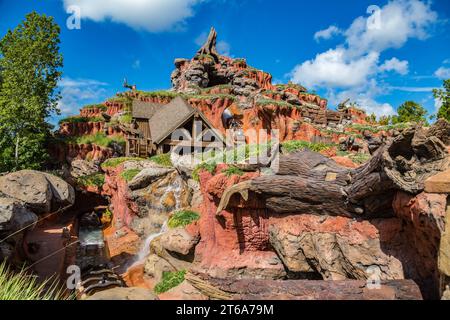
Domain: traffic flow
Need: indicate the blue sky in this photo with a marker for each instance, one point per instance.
(336, 48)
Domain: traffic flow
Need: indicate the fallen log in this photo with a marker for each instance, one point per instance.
(308, 182)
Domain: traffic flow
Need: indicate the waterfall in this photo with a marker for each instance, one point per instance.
(176, 188)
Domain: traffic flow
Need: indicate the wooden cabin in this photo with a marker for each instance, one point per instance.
(154, 125)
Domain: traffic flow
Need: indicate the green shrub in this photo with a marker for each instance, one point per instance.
(360, 158)
(129, 174)
(78, 119)
(230, 171)
(126, 118)
(278, 103)
(159, 94)
(170, 280)
(115, 162)
(102, 107)
(162, 160)
(24, 286)
(99, 139)
(92, 180)
(182, 218)
(297, 145)
(208, 166)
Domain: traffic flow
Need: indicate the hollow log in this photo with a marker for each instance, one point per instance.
(308, 182)
(209, 48)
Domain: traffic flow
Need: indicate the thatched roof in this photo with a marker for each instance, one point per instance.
(144, 110)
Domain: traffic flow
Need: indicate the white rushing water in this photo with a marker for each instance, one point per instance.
(176, 189)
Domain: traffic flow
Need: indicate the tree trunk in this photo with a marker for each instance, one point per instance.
(308, 182)
(16, 153)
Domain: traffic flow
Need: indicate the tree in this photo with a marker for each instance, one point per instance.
(372, 119)
(30, 65)
(410, 111)
(444, 97)
(384, 120)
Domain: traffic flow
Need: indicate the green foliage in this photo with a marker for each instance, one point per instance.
(99, 139)
(126, 118)
(291, 85)
(24, 286)
(170, 280)
(297, 145)
(211, 97)
(99, 106)
(159, 94)
(30, 65)
(410, 111)
(384, 120)
(129, 174)
(79, 119)
(162, 160)
(444, 96)
(359, 158)
(207, 166)
(108, 214)
(372, 118)
(115, 162)
(92, 180)
(182, 218)
(278, 103)
(230, 171)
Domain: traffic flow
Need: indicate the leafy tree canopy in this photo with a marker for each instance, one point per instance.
(410, 111)
(30, 65)
(444, 96)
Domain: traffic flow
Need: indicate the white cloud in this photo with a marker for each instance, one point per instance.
(327, 33)
(333, 69)
(394, 64)
(149, 15)
(399, 21)
(413, 89)
(353, 66)
(442, 73)
(437, 104)
(77, 92)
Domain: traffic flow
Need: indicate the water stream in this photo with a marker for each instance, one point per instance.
(176, 189)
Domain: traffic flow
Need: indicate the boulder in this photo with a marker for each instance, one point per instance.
(80, 168)
(439, 183)
(31, 187)
(124, 294)
(14, 215)
(155, 266)
(184, 291)
(336, 247)
(41, 192)
(63, 193)
(184, 164)
(179, 241)
(148, 176)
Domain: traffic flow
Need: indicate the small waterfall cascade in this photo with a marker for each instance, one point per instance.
(176, 188)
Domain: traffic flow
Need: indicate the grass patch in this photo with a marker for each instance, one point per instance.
(170, 280)
(278, 103)
(207, 166)
(23, 286)
(182, 218)
(211, 97)
(99, 139)
(230, 171)
(115, 162)
(99, 106)
(129, 174)
(126, 118)
(360, 158)
(291, 85)
(162, 160)
(159, 94)
(297, 145)
(78, 119)
(92, 180)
